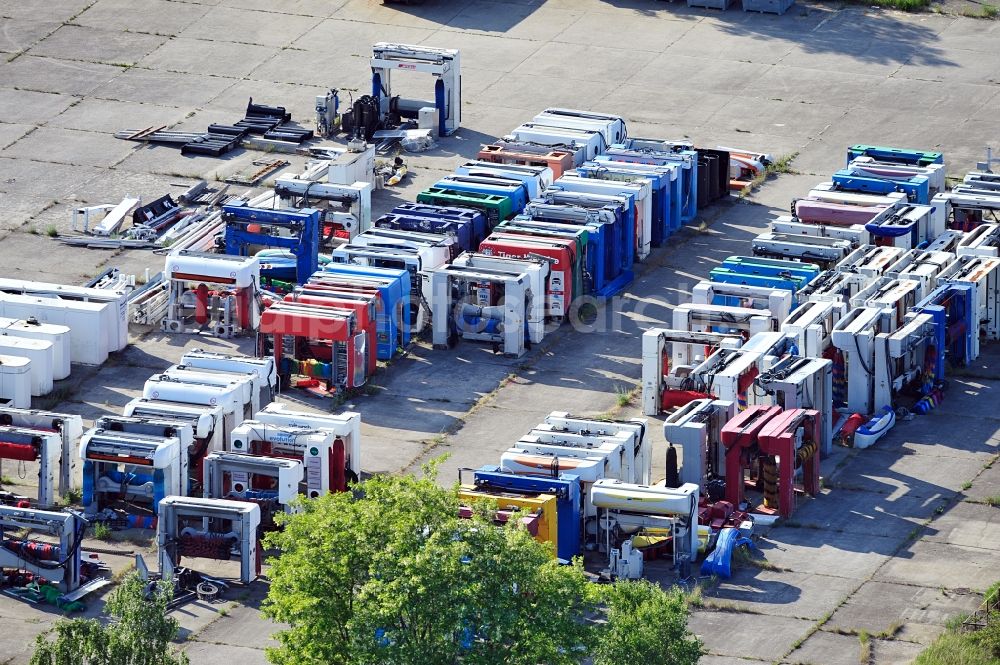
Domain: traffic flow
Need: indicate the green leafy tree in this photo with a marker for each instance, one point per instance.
(139, 633)
(395, 577)
(645, 624)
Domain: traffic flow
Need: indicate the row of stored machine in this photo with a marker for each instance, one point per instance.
(204, 456)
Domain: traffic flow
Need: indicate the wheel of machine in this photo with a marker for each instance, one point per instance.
(207, 592)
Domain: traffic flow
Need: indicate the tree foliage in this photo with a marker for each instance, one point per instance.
(396, 577)
(139, 633)
(390, 574)
(645, 624)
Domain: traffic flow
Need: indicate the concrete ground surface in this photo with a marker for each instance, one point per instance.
(902, 538)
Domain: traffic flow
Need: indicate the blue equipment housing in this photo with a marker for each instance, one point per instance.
(566, 488)
(461, 229)
(890, 227)
(512, 188)
(916, 188)
(600, 262)
(764, 267)
(895, 155)
(672, 171)
(303, 224)
(394, 288)
(687, 159)
(719, 561)
(660, 185)
(93, 470)
(604, 224)
(475, 217)
(953, 307)
(624, 238)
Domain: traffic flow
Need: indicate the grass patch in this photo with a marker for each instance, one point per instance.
(903, 5)
(782, 164)
(102, 531)
(743, 558)
(953, 648)
(51, 231)
(966, 485)
(990, 11)
(624, 397)
(891, 632)
(865, 655)
(6, 480)
(73, 496)
(992, 500)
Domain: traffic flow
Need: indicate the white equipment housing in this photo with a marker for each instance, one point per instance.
(443, 63)
(949, 241)
(111, 460)
(313, 447)
(834, 286)
(114, 311)
(984, 273)
(42, 357)
(237, 521)
(924, 267)
(984, 240)
(585, 143)
(560, 421)
(811, 326)
(537, 272)
(978, 201)
(47, 448)
(899, 355)
(803, 383)
(612, 127)
(631, 508)
(69, 428)
(345, 426)
(104, 220)
(541, 460)
(239, 274)
(267, 384)
(239, 472)
(696, 428)
(856, 234)
(58, 335)
(67, 527)
(828, 193)
(154, 427)
(777, 301)
(855, 335)
(229, 397)
(894, 297)
(703, 318)
(633, 453)
(305, 189)
(687, 349)
(92, 324)
(870, 261)
(821, 250)
(15, 381)
(642, 192)
(208, 425)
(436, 249)
(252, 384)
(474, 315)
(728, 374)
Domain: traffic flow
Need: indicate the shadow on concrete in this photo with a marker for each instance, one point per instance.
(490, 17)
(881, 38)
